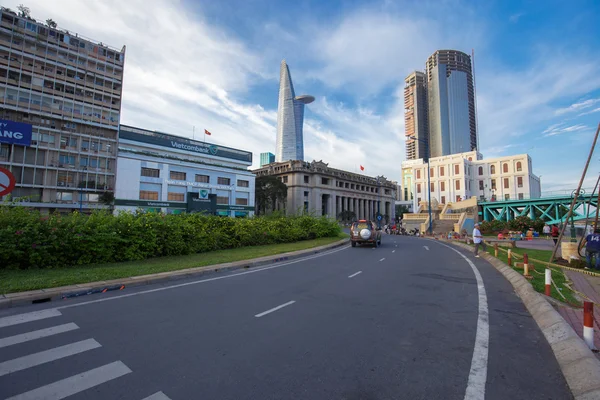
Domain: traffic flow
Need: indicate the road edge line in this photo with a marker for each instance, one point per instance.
(60, 293)
(579, 365)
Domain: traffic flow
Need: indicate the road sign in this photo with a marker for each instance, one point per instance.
(379, 217)
(7, 181)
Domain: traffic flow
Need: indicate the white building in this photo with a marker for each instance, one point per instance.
(172, 174)
(464, 175)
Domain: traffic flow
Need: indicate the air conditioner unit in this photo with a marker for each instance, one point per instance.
(61, 184)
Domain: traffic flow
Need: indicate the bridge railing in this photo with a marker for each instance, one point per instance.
(545, 195)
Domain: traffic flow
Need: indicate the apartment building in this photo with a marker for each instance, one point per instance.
(67, 88)
(416, 126)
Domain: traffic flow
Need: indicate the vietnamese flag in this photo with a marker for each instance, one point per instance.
(207, 132)
(362, 168)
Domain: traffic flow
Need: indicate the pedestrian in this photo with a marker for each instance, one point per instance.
(592, 249)
(478, 240)
(555, 233)
(546, 230)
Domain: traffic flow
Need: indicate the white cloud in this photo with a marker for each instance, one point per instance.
(595, 110)
(559, 129)
(580, 105)
(515, 17)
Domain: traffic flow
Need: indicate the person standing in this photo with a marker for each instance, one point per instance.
(592, 249)
(546, 230)
(478, 240)
(555, 233)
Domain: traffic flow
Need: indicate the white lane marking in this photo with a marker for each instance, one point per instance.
(353, 275)
(158, 396)
(26, 337)
(478, 374)
(393, 251)
(160, 289)
(76, 383)
(21, 363)
(28, 317)
(289, 303)
(426, 248)
(382, 259)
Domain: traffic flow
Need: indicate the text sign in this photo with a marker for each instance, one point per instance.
(7, 182)
(15, 133)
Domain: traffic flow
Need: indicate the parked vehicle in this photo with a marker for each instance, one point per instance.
(365, 232)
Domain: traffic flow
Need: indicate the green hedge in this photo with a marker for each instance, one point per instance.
(32, 240)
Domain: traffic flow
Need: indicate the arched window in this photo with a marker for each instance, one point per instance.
(505, 168)
(519, 166)
(480, 170)
(492, 169)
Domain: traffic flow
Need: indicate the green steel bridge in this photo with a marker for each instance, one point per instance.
(552, 210)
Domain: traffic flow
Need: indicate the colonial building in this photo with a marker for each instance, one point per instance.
(315, 187)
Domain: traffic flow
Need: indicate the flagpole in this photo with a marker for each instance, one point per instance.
(204, 135)
(194, 132)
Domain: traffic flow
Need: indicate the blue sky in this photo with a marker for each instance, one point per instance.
(215, 65)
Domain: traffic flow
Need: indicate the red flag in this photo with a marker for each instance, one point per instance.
(362, 168)
(207, 132)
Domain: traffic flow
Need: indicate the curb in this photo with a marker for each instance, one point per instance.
(64, 292)
(579, 365)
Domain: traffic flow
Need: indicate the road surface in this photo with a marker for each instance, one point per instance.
(407, 320)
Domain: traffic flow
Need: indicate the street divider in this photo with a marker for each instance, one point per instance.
(588, 324)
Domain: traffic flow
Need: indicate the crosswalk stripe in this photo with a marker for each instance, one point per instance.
(158, 396)
(75, 384)
(26, 337)
(28, 317)
(43, 357)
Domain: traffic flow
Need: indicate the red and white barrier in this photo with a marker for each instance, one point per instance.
(588, 323)
(547, 289)
(509, 258)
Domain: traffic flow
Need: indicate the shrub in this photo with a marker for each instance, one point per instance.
(31, 240)
(493, 226)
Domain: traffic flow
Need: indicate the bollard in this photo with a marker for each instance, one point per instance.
(525, 265)
(509, 258)
(496, 250)
(548, 281)
(588, 323)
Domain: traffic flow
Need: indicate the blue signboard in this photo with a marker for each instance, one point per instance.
(15, 133)
(379, 217)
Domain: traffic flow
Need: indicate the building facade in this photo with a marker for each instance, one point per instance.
(415, 115)
(67, 90)
(451, 103)
(462, 176)
(266, 158)
(316, 188)
(167, 173)
(290, 119)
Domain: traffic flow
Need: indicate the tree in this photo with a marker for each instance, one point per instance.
(50, 22)
(23, 11)
(347, 216)
(269, 190)
(107, 198)
(401, 210)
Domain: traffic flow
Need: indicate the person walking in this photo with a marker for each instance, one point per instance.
(555, 233)
(592, 249)
(478, 240)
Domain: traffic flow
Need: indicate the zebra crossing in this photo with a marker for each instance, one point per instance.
(62, 388)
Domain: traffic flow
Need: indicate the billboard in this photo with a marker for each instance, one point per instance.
(15, 133)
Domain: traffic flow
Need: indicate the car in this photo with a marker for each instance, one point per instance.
(365, 232)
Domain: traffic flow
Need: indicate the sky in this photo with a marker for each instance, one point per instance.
(215, 65)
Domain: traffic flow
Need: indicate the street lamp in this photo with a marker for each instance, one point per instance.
(378, 208)
(428, 180)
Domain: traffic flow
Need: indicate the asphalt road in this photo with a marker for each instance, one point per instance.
(402, 321)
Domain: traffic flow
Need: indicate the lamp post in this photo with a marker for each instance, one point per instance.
(428, 180)
(378, 210)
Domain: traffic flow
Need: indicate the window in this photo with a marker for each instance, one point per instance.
(241, 202)
(226, 181)
(418, 188)
(441, 171)
(519, 167)
(177, 175)
(520, 196)
(457, 185)
(507, 197)
(492, 169)
(285, 179)
(431, 187)
(520, 181)
(176, 196)
(442, 186)
(242, 183)
(505, 168)
(148, 195)
(222, 200)
(64, 196)
(306, 206)
(306, 194)
(64, 159)
(306, 179)
(493, 184)
(418, 174)
(458, 197)
(456, 169)
(431, 170)
(324, 181)
(151, 172)
(202, 178)
(505, 183)
(480, 185)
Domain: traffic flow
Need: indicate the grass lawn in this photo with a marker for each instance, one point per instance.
(22, 280)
